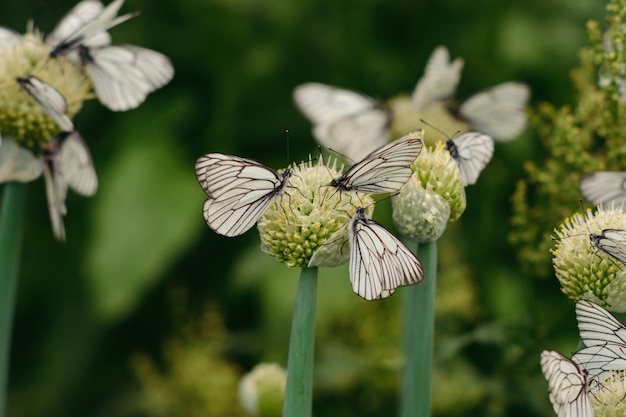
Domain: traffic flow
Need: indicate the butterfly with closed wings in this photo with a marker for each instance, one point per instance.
(568, 385)
(122, 75)
(472, 152)
(385, 170)
(350, 123)
(605, 339)
(239, 190)
(604, 187)
(379, 262)
(66, 159)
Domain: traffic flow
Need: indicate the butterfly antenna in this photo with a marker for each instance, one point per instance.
(341, 155)
(437, 129)
(287, 138)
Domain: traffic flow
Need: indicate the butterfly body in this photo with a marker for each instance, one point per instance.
(472, 151)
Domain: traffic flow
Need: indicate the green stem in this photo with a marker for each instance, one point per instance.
(299, 390)
(419, 328)
(11, 216)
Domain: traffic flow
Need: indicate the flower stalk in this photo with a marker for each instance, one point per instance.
(11, 215)
(419, 328)
(299, 390)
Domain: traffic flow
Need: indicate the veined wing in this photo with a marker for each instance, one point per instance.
(439, 81)
(604, 187)
(612, 242)
(472, 152)
(597, 327)
(50, 99)
(567, 386)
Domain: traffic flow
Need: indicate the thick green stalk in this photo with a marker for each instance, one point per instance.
(11, 216)
(299, 390)
(419, 328)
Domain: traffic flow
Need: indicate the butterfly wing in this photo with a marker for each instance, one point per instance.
(83, 13)
(9, 38)
(123, 75)
(604, 187)
(597, 326)
(498, 111)
(601, 362)
(50, 99)
(612, 242)
(384, 170)
(472, 152)
(75, 165)
(439, 81)
(379, 262)
(567, 386)
(239, 191)
(349, 123)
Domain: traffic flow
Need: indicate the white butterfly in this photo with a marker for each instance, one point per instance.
(385, 170)
(50, 99)
(66, 163)
(472, 152)
(85, 25)
(65, 159)
(605, 339)
(612, 242)
(350, 123)
(604, 187)
(498, 111)
(122, 75)
(239, 190)
(567, 386)
(379, 262)
(9, 38)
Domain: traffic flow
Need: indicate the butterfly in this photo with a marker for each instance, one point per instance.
(66, 163)
(350, 123)
(605, 339)
(385, 170)
(612, 242)
(472, 151)
(604, 187)
(239, 190)
(567, 386)
(122, 75)
(66, 160)
(49, 99)
(379, 262)
(497, 111)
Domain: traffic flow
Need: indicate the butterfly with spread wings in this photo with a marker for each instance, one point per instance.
(385, 170)
(604, 187)
(605, 339)
(379, 262)
(66, 160)
(350, 123)
(472, 152)
(122, 75)
(239, 190)
(568, 386)
(497, 111)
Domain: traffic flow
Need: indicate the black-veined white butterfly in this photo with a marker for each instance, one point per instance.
(239, 190)
(385, 170)
(497, 111)
(66, 163)
(50, 99)
(122, 75)
(612, 242)
(85, 25)
(568, 387)
(350, 123)
(379, 262)
(605, 339)
(604, 187)
(472, 152)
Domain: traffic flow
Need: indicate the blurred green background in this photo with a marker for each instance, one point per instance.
(146, 312)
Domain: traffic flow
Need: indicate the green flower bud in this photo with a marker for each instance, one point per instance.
(262, 390)
(417, 213)
(309, 215)
(21, 117)
(607, 397)
(583, 271)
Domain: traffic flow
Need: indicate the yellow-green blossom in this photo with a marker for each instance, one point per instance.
(433, 196)
(309, 215)
(584, 271)
(607, 397)
(262, 390)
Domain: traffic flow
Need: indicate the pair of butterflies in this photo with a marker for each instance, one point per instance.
(569, 381)
(66, 161)
(122, 75)
(240, 190)
(353, 124)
